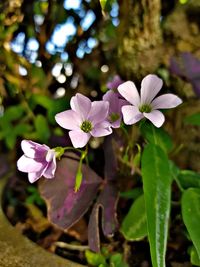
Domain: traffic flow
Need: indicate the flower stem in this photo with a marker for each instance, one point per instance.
(79, 175)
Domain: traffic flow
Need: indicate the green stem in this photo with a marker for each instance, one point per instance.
(125, 131)
(79, 175)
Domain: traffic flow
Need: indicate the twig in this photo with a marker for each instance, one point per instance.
(70, 246)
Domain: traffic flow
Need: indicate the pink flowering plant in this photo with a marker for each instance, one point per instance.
(128, 123)
(38, 160)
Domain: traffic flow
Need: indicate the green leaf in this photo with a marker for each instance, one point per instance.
(42, 128)
(188, 179)
(13, 113)
(103, 3)
(133, 193)
(191, 215)
(53, 106)
(116, 260)
(10, 140)
(193, 119)
(194, 258)
(137, 158)
(156, 176)
(95, 259)
(157, 136)
(38, 77)
(57, 106)
(134, 225)
(22, 128)
(79, 178)
(41, 100)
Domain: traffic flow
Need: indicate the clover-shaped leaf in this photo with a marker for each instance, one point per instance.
(107, 202)
(65, 206)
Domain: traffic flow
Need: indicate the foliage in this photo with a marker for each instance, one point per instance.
(133, 186)
(134, 225)
(105, 259)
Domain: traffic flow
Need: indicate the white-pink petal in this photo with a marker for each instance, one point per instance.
(32, 149)
(156, 117)
(131, 114)
(101, 129)
(150, 87)
(79, 138)
(129, 91)
(166, 101)
(25, 164)
(68, 119)
(50, 169)
(116, 124)
(98, 112)
(51, 154)
(34, 176)
(81, 104)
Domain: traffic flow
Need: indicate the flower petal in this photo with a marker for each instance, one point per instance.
(50, 169)
(79, 138)
(115, 102)
(166, 101)
(101, 129)
(33, 150)
(25, 164)
(98, 112)
(131, 114)
(129, 91)
(156, 117)
(68, 119)
(81, 104)
(50, 155)
(115, 82)
(150, 87)
(34, 176)
(116, 124)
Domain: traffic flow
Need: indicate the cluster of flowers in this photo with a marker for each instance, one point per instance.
(97, 118)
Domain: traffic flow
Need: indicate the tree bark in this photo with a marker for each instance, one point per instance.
(139, 38)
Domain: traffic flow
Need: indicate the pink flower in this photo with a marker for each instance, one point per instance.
(146, 105)
(85, 119)
(114, 83)
(115, 105)
(38, 160)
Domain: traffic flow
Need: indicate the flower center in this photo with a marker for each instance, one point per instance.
(145, 108)
(114, 117)
(86, 126)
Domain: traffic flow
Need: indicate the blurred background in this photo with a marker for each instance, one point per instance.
(50, 50)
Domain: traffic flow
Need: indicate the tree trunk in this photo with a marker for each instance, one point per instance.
(139, 38)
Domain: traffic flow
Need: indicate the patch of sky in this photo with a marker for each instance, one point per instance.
(115, 22)
(76, 6)
(38, 19)
(17, 45)
(80, 52)
(86, 47)
(57, 69)
(31, 55)
(32, 44)
(22, 71)
(115, 10)
(61, 34)
(50, 47)
(114, 13)
(92, 42)
(31, 49)
(64, 56)
(72, 4)
(88, 20)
